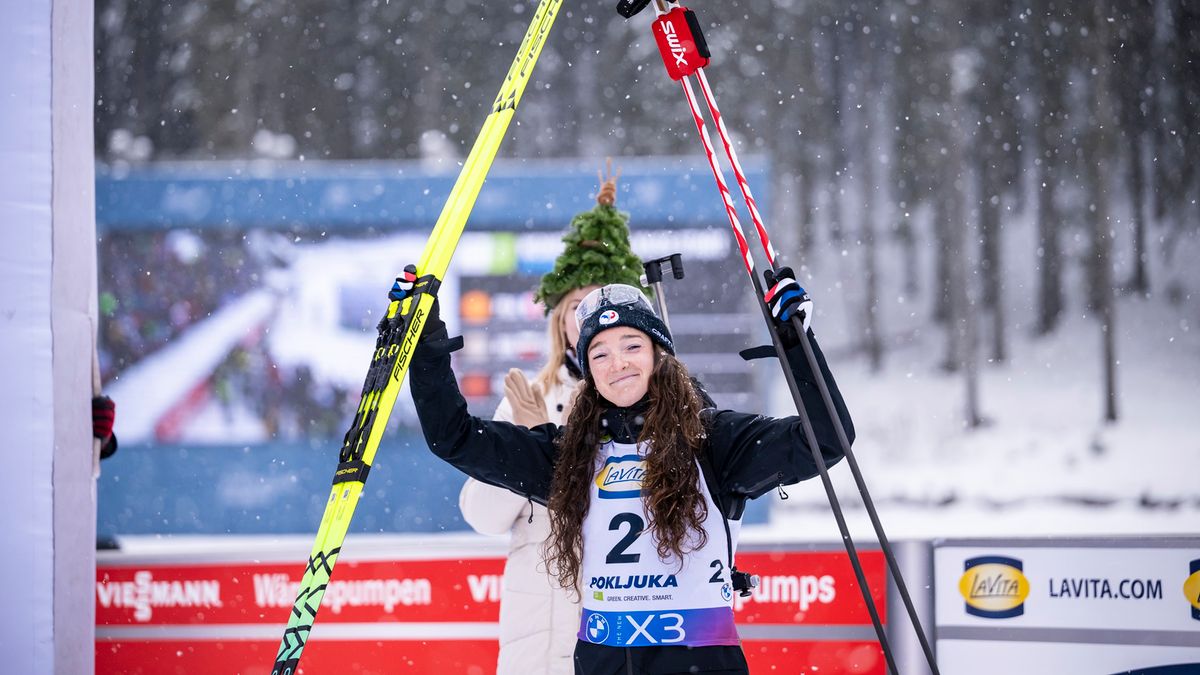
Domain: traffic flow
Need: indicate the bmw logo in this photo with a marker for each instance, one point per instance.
(726, 592)
(597, 628)
(609, 316)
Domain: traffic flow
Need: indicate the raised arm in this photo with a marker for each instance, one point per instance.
(753, 454)
(486, 508)
(497, 453)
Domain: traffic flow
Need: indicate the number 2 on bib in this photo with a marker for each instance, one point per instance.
(636, 525)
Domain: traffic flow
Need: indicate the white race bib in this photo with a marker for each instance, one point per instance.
(630, 597)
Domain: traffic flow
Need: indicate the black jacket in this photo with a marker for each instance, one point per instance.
(749, 454)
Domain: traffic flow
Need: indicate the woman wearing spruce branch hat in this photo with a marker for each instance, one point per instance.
(538, 619)
(645, 486)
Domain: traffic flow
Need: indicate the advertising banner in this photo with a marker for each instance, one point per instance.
(435, 614)
(1089, 606)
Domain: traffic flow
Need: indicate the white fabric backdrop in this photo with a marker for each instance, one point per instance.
(47, 289)
(73, 320)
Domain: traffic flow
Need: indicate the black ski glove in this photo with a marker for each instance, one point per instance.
(435, 328)
(435, 339)
(787, 298)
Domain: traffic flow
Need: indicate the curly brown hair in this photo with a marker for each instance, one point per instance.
(674, 433)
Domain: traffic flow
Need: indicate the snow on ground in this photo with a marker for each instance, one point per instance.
(1045, 464)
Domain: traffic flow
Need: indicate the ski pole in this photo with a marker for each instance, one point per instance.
(851, 460)
(823, 388)
(821, 385)
(684, 52)
(653, 278)
(672, 55)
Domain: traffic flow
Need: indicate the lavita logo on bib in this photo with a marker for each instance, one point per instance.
(621, 477)
(994, 587)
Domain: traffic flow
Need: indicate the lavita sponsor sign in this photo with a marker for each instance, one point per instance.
(994, 587)
(1095, 606)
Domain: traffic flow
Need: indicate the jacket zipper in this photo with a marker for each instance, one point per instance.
(776, 480)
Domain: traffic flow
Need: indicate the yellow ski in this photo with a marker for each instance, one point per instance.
(398, 337)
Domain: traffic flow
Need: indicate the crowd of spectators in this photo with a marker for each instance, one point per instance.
(154, 286)
(289, 401)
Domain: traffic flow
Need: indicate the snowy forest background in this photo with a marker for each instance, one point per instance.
(993, 203)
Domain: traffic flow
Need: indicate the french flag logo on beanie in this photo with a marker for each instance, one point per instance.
(608, 317)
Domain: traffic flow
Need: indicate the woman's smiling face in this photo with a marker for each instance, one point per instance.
(620, 361)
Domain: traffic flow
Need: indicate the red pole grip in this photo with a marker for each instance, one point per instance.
(680, 42)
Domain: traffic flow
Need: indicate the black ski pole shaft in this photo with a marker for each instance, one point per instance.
(819, 459)
(860, 482)
(869, 505)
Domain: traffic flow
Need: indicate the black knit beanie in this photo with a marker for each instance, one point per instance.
(618, 305)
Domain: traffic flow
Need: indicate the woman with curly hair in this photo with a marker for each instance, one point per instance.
(538, 619)
(645, 485)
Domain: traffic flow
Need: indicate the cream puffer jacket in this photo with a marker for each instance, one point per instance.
(538, 620)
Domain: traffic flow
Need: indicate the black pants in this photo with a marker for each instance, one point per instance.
(593, 659)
